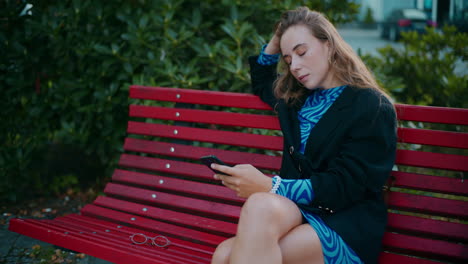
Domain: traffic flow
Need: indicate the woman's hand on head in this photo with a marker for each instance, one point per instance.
(244, 179)
(273, 46)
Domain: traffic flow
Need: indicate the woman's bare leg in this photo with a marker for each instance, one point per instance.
(223, 252)
(300, 245)
(267, 234)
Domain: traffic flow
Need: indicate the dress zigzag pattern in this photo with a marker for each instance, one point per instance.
(315, 106)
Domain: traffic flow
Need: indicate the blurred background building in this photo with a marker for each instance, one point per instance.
(441, 11)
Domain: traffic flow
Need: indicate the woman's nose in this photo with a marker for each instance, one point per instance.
(294, 66)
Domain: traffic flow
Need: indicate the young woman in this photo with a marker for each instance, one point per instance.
(339, 130)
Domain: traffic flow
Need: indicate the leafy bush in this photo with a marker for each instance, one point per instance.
(429, 69)
(65, 72)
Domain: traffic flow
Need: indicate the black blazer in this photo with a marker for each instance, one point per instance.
(348, 157)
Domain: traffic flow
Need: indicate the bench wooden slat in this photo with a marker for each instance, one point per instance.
(193, 170)
(425, 247)
(429, 205)
(99, 235)
(430, 183)
(432, 160)
(180, 247)
(428, 227)
(153, 225)
(117, 254)
(115, 237)
(433, 137)
(207, 135)
(167, 166)
(193, 152)
(203, 207)
(209, 191)
(432, 114)
(205, 116)
(391, 258)
(227, 99)
(183, 219)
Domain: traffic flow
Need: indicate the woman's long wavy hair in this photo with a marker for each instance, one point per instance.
(344, 63)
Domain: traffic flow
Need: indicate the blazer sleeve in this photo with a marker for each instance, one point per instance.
(262, 78)
(364, 160)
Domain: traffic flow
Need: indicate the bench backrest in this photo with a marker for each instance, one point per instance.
(161, 186)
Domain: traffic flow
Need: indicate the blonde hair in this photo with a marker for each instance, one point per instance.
(344, 63)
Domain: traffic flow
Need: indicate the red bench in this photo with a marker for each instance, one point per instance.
(161, 188)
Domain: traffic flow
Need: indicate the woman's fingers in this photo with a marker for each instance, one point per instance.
(244, 179)
(228, 181)
(224, 169)
(233, 187)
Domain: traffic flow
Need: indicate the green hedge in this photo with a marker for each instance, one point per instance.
(65, 72)
(429, 69)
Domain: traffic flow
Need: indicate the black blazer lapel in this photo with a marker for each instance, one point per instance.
(329, 122)
(290, 125)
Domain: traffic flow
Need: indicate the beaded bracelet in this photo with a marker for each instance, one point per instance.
(277, 179)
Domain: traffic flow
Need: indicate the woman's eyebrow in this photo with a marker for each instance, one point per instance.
(295, 47)
(298, 45)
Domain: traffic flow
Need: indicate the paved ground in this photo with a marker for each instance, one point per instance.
(16, 248)
(365, 40)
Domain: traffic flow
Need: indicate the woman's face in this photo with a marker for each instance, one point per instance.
(307, 58)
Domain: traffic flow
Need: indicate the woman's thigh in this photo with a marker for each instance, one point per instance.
(300, 245)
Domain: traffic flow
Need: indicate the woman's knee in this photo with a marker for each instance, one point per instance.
(223, 252)
(262, 206)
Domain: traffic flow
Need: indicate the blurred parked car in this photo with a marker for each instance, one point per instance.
(403, 20)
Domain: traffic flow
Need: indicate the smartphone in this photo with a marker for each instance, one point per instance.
(208, 160)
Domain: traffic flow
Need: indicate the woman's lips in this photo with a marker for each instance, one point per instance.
(303, 77)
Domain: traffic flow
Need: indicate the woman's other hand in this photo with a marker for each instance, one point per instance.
(244, 179)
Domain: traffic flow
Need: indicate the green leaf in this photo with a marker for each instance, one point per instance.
(150, 55)
(172, 34)
(101, 48)
(229, 29)
(143, 21)
(126, 36)
(196, 18)
(115, 48)
(128, 67)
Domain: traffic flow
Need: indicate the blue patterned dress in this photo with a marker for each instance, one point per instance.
(301, 191)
